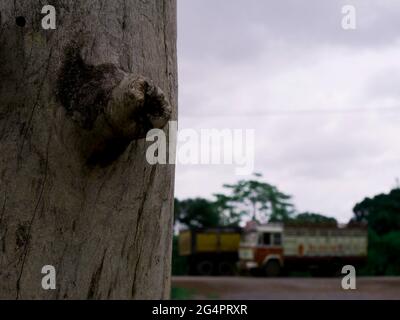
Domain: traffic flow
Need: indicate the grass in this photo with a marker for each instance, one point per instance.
(182, 293)
(178, 293)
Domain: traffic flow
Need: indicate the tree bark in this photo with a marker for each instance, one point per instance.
(76, 191)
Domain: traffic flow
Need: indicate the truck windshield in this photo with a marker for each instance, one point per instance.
(250, 238)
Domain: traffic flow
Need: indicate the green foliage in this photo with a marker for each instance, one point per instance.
(197, 213)
(178, 293)
(311, 218)
(229, 215)
(257, 200)
(179, 263)
(252, 199)
(383, 254)
(382, 213)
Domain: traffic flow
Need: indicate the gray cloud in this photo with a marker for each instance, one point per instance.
(237, 29)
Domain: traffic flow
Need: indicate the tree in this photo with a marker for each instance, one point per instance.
(383, 253)
(258, 200)
(76, 190)
(196, 213)
(229, 215)
(313, 218)
(382, 212)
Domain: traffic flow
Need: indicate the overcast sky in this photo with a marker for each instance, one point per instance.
(282, 68)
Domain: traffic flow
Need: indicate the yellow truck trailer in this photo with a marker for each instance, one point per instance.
(210, 251)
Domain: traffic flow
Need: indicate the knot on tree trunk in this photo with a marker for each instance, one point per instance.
(112, 107)
(137, 106)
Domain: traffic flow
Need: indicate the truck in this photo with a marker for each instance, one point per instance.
(273, 249)
(210, 251)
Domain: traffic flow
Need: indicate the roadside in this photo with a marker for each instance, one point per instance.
(241, 288)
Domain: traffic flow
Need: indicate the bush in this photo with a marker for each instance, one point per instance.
(179, 263)
(383, 254)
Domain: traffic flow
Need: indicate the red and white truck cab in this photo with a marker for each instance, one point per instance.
(261, 248)
(271, 248)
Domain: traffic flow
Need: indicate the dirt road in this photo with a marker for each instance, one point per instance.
(240, 288)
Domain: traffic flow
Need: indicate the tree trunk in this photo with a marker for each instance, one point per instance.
(76, 191)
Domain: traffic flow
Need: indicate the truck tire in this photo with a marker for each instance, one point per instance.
(205, 268)
(226, 268)
(336, 268)
(316, 271)
(272, 268)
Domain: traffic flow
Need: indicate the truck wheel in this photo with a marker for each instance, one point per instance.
(205, 268)
(336, 268)
(272, 269)
(226, 269)
(316, 271)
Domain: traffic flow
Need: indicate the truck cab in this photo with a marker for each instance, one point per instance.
(261, 250)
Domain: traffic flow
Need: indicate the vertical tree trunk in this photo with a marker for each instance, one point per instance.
(76, 191)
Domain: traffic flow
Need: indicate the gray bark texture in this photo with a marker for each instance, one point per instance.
(76, 191)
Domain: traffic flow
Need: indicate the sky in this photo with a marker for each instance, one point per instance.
(324, 102)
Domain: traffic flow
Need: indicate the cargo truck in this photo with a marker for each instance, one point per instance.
(321, 249)
(210, 251)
